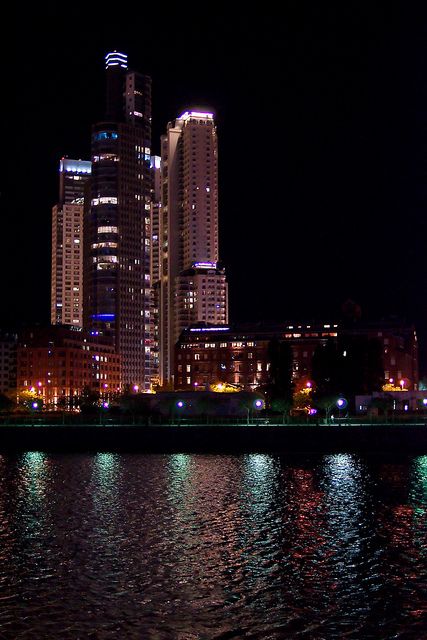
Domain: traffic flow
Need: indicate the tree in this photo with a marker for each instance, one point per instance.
(279, 389)
(6, 403)
(302, 399)
(88, 400)
(350, 365)
(325, 369)
(28, 399)
(384, 404)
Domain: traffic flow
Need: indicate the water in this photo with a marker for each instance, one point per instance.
(201, 547)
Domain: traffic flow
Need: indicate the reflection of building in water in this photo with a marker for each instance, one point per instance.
(303, 531)
(205, 493)
(345, 525)
(34, 478)
(402, 530)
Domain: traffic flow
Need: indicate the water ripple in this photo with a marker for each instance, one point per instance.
(194, 547)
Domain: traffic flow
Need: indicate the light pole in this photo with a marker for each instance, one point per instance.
(103, 407)
(258, 404)
(341, 403)
(179, 405)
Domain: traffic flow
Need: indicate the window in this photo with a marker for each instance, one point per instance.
(106, 135)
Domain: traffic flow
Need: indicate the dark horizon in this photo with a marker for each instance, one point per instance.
(322, 148)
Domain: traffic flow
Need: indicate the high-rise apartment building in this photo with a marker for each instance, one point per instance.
(193, 287)
(156, 260)
(118, 299)
(67, 243)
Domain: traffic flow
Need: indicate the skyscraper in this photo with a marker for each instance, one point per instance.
(156, 259)
(67, 243)
(117, 223)
(193, 287)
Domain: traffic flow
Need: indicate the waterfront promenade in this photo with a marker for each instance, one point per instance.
(239, 436)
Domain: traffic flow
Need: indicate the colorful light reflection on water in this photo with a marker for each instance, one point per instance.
(199, 546)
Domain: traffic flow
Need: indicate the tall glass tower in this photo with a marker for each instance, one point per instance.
(193, 285)
(117, 283)
(67, 243)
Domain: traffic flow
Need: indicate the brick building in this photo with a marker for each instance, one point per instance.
(59, 363)
(8, 362)
(205, 355)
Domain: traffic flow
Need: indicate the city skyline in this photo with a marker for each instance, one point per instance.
(322, 153)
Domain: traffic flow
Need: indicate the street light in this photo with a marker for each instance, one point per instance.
(257, 404)
(180, 405)
(104, 405)
(341, 404)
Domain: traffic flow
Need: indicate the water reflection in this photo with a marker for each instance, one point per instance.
(106, 482)
(418, 500)
(205, 533)
(343, 488)
(197, 546)
(33, 484)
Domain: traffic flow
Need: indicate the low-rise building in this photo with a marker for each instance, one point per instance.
(8, 343)
(206, 355)
(60, 363)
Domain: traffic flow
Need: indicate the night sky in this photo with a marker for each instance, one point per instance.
(322, 125)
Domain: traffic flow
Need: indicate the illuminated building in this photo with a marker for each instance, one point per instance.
(7, 362)
(67, 243)
(59, 363)
(117, 222)
(239, 356)
(192, 283)
(156, 260)
(200, 295)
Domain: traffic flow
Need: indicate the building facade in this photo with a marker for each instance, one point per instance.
(8, 342)
(193, 287)
(118, 298)
(67, 243)
(156, 262)
(60, 363)
(207, 355)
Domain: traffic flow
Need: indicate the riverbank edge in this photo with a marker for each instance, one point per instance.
(379, 438)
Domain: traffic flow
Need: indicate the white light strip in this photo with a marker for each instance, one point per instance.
(212, 329)
(196, 114)
(115, 59)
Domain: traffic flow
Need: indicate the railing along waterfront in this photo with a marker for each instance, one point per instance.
(53, 419)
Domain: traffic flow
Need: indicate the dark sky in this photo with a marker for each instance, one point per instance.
(321, 112)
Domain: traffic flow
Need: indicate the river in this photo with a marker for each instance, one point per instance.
(201, 547)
